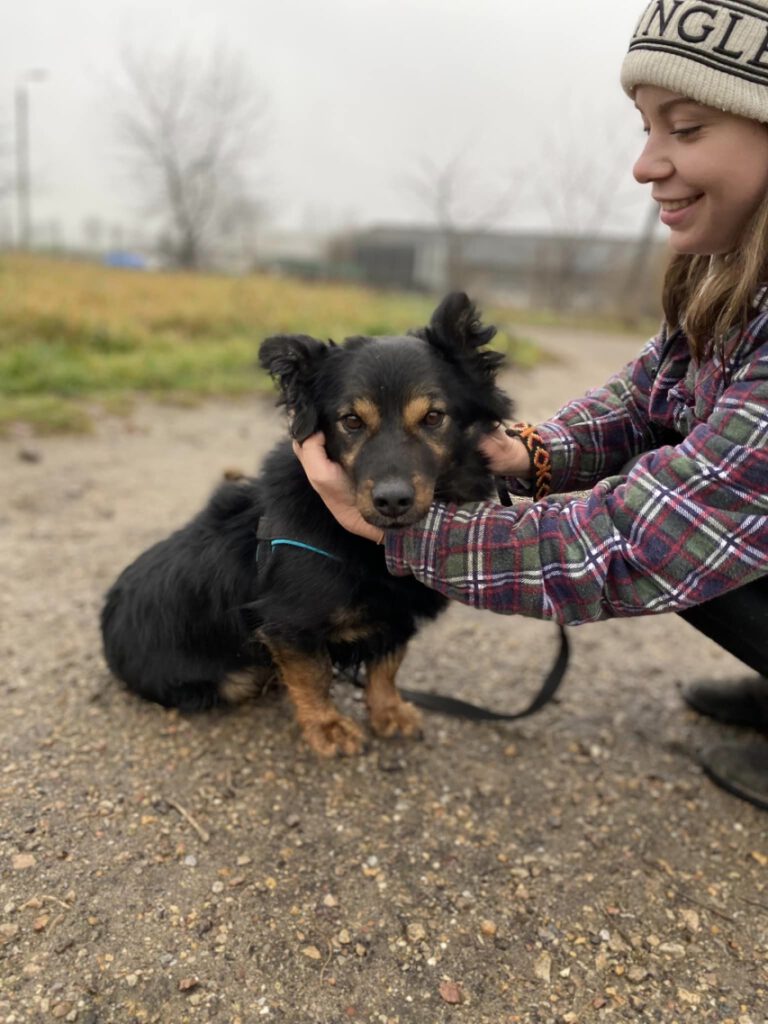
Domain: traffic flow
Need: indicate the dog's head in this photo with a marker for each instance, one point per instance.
(401, 414)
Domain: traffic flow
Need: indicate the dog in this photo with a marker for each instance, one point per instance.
(263, 582)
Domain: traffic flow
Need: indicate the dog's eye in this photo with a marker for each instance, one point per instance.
(434, 418)
(351, 422)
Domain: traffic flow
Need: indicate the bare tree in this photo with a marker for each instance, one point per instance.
(584, 187)
(193, 132)
(449, 191)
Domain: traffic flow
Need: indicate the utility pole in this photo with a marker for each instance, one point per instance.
(23, 190)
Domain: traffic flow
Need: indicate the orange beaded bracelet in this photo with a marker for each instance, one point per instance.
(541, 463)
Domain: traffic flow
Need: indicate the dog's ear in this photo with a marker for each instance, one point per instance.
(456, 322)
(293, 361)
(458, 332)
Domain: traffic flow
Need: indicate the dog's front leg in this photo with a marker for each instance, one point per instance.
(388, 712)
(307, 677)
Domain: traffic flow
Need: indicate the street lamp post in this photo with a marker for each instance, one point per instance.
(23, 190)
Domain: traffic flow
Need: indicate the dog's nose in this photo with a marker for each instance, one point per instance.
(393, 498)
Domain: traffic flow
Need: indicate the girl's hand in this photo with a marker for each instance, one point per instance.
(507, 456)
(331, 483)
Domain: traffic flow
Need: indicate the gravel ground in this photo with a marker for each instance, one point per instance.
(155, 867)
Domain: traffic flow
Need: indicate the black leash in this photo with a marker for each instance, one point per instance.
(436, 701)
(462, 709)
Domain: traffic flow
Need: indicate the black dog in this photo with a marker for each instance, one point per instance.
(264, 578)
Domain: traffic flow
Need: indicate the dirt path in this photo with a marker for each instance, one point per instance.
(159, 868)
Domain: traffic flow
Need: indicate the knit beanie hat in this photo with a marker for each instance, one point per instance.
(714, 52)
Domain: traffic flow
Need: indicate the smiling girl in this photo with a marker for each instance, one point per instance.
(685, 529)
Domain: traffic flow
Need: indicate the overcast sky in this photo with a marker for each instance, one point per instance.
(361, 93)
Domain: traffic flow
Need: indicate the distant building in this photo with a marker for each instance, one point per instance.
(523, 269)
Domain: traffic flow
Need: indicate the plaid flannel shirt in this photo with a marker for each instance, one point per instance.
(688, 521)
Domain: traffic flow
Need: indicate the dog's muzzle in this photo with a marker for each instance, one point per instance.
(393, 498)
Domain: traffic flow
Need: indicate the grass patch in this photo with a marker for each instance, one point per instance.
(46, 414)
(75, 335)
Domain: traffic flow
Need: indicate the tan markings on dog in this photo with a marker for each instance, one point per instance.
(347, 459)
(425, 491)
(415, 411)
(441, 450)
(389, 714)
(235, 474)
(348, 626)
(308, 681)
(368, 412)
(240, 686)
(364, 499)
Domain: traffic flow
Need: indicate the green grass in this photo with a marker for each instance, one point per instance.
(76, 337)
(46, 414)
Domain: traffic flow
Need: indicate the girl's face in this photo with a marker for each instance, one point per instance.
(708, 169)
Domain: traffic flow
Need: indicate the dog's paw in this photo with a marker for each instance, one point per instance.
(397, 718)
(333, 735)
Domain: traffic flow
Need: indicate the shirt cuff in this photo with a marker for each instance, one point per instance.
(394, 551)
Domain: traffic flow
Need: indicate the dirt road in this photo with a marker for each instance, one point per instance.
(154, 867)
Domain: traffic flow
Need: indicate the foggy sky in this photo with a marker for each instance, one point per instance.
(360, 93)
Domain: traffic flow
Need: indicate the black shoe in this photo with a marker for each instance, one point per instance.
(741, 769)
(744, 703)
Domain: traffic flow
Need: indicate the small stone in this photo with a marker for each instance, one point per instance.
(686, 996)
(22, 861)
(243, 860)
(344, 937)
(488, 928)
(29, 455)
(312, 952)
(8, 932)
(330, 901)
(416, 932)
(40, 923)
(672, 949)
(691, 920)
(131, 980)
(187, 984)
(217, 887)
(542, 969)
(637, 974)
(61, 1010)
(451, 993)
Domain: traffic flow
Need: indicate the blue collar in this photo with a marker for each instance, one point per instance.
(307, 547)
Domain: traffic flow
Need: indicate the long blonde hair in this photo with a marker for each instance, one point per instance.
(710, 296)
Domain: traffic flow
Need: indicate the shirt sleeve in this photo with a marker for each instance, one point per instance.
(688, 523)
(596, 435)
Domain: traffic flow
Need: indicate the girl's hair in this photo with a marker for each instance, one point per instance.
(710, 296)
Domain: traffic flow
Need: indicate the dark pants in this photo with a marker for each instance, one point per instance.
(738, 621)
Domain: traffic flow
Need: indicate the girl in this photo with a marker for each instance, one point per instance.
(687, 524)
